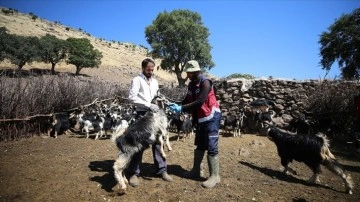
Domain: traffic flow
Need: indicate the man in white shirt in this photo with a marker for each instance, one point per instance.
(142, 91)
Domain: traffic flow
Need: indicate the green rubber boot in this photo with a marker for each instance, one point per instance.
(213, 162)
(195, 171)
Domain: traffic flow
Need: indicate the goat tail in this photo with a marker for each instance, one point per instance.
(325, 149)
(349, 184)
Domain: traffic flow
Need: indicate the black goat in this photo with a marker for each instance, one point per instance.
(181, 122)
(312, 150)
(60, 123)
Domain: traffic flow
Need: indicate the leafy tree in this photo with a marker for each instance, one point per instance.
(4, 42)
(34, 17)
(342, 44)
(177, 37)
(52, 50)
(8, 11)
(21, 50)
(82, 54)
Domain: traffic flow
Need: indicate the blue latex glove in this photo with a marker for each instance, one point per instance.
(175, 108)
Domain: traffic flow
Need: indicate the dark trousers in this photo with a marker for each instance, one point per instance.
(159, 161)
(207, 135)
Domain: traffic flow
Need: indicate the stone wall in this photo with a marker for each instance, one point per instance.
(290, 97)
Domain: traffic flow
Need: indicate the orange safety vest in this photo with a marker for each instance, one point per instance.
(209, 107)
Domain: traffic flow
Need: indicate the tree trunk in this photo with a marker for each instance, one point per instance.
(77, 71)
(181, 81)
(53, 68)
(21, 64)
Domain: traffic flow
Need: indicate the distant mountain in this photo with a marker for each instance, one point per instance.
(120, 63)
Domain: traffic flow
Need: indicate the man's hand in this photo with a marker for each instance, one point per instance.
(154, 108)
(175, 108)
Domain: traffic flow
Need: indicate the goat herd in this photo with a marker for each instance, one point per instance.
(132, 135)
(101, 119)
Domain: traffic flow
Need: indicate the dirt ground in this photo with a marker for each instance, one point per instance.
(72, 168)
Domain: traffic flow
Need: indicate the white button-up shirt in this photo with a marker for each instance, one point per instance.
(142, 91)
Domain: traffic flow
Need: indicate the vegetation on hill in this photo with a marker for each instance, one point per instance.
(20, 50)
(120, 61)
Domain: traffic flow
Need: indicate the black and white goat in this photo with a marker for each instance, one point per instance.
(182, 123)
(233, 124)
(262, 117)
(140, 135)
(312, 150)
(91, 122)
(120, 129)
(59, 123)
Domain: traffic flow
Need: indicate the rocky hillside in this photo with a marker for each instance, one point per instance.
(120, 62)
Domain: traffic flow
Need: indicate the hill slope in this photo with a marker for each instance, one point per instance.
(120, 62)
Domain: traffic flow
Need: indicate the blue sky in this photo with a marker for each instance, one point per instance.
(262, 38)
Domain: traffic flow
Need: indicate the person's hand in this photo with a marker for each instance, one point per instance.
(154, 108)
(175, 107)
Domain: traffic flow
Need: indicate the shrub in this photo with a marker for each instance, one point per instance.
(19, 98)
(332, 108)
(34, 17)
(237, 75)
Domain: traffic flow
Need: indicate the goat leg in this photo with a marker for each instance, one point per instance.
(167, 139)
(161, 141)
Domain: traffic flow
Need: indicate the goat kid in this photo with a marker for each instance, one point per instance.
(181, 122)
(59, 123)
(96, 124)
(312, 150)
(234, 123)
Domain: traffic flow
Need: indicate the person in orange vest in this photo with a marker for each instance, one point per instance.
(201, 102)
